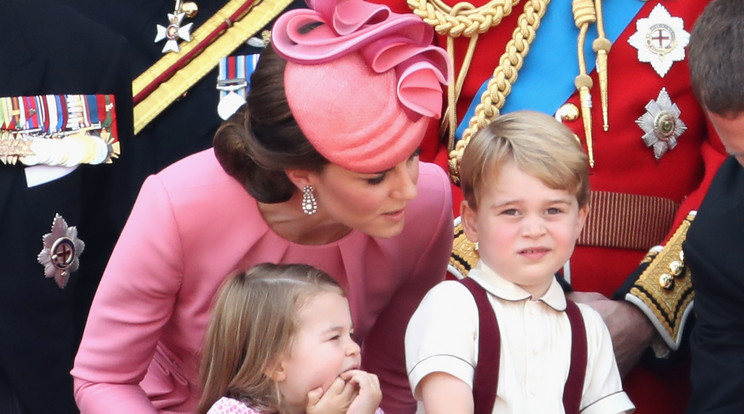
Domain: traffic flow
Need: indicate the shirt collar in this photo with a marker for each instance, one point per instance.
(507, 290)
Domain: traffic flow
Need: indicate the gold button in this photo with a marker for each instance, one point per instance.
(189, 8)
(567, 112)
(676, 268)
(666, 281)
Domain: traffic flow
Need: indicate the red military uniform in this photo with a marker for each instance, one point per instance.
(640, 198)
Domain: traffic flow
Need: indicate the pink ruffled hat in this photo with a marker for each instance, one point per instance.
(361, 81)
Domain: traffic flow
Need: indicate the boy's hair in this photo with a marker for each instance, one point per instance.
(253, 321)
(716, 57)
(538, 144)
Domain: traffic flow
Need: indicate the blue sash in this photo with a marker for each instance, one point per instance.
(546, 79)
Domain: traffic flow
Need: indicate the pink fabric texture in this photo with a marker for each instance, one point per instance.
(227, 405)
(361, 81)
(191, 226)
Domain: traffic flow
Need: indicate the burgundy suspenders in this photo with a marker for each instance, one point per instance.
(485, 379)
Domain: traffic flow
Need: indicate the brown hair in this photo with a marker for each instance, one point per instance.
(537, 144)
(716, 57)
(262, 139)
(253, 321)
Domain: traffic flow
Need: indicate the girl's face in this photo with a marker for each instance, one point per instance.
(371, 203)
(525, 230)
(322, 348)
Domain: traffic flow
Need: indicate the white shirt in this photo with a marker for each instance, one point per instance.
(442, 336)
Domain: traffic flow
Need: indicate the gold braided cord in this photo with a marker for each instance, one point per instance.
(505, 74)
(463, 19)
(602, 46)
(584, 15)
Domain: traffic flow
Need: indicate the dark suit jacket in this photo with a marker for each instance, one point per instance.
(49, 49)
(714, 252)
(188, 125)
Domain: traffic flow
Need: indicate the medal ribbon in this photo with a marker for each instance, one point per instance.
(175, 73)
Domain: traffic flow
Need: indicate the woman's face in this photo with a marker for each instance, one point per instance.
(371, 203)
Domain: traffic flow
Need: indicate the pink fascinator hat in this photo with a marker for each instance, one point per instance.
(361, 81)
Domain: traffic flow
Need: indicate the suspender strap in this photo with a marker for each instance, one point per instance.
(486, 377)
(575, 382)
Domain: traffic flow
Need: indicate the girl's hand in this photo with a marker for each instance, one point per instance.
(369, 394)
(336, 400)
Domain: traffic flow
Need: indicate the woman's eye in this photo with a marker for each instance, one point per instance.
(376, 180)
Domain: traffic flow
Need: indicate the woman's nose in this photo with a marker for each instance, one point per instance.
(405, 181)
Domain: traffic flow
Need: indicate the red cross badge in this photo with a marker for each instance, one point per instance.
(660, 39)
(61, 253)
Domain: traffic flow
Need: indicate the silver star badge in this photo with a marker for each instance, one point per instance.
(661, 124)
(61, 253)
(660, 40)
(173, 32)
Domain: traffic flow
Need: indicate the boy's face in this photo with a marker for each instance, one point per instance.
(525, 230)
(731, 131)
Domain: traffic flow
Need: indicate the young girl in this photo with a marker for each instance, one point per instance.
(280, 340)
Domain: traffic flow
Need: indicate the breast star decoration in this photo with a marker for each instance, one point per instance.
(661, 124)
(660, 39)
(61, 253)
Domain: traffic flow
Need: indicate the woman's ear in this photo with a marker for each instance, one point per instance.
(301, 178)
(468, 216)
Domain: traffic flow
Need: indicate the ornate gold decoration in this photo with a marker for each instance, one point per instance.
(499, 87)
(666, 299)
(466, 20)
(464, 252)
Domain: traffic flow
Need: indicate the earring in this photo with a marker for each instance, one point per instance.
(309, 205)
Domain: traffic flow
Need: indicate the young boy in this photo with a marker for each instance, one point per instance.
(713, 246)
(526, 188)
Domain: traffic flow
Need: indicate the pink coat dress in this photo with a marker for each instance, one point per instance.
(191, 226)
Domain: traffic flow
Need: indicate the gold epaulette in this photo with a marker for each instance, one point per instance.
(464, 253)
(172, 75)
(663, 290)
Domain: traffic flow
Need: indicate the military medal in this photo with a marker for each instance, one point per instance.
(61, 130)
(661, 124)
(61, 253)
(233, 82)
(660, 40)
(174, 31)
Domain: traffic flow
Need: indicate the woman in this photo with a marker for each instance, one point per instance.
(319, 168)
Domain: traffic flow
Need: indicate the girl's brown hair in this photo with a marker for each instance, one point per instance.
(253, 321)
